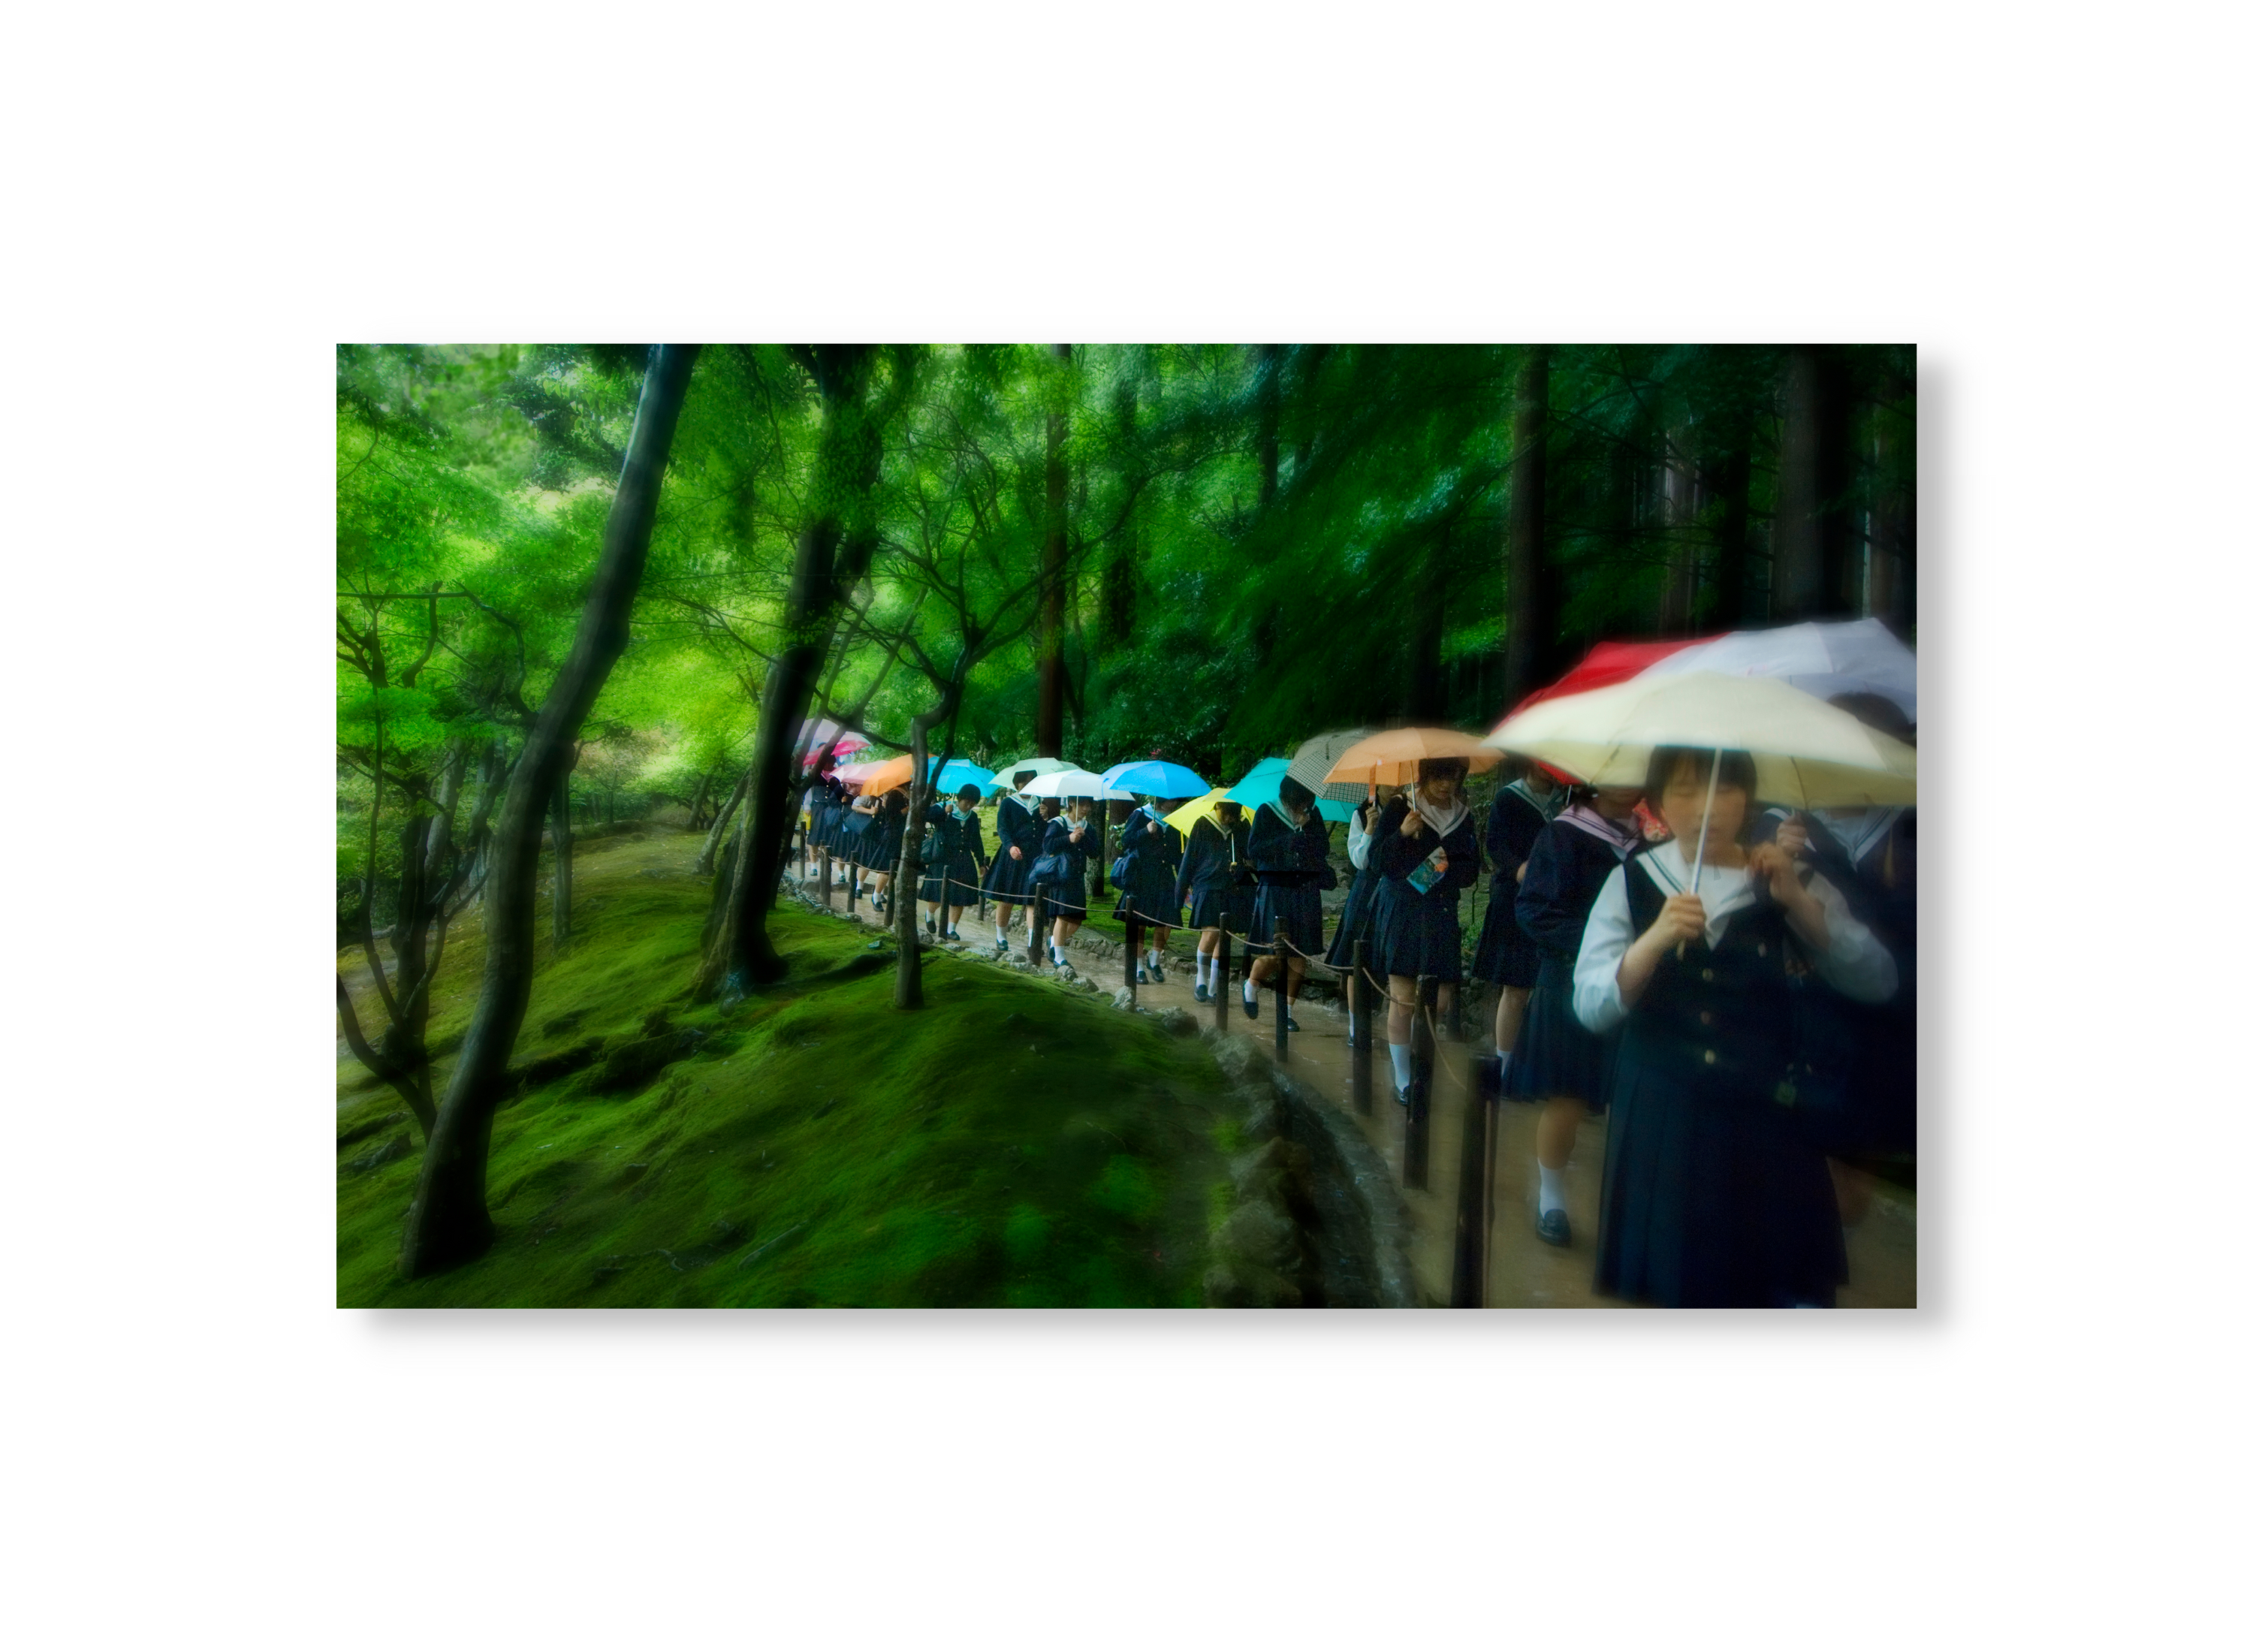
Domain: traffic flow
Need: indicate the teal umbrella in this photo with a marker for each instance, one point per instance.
(962, 773)
(1263, 782)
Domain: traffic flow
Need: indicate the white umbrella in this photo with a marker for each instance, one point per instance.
(1039, 765)
(1073, 783)
(1314, 759)
(1853, 656)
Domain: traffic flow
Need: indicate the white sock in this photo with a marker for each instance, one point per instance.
(1552, 1189)
(1000, 936)
(1205, 970)
(1251, 991)
(1502, 1068)
(1400, 1072)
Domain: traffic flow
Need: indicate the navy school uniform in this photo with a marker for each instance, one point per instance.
(1507, 955)
(1211, 878)
(1017, 826)
(1421, 933)
(1863, 1100)
(1061, 870)
(1293, 867)
(1152, 869)
(1556, 1056)
(1358, 918)
(1713, 1196)
(950, 847)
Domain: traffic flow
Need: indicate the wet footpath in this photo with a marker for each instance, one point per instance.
(1521, 1271)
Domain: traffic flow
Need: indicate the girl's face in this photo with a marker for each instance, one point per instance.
(1682, 807)
(1441, 788)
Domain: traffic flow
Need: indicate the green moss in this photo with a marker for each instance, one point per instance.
(820, 1146)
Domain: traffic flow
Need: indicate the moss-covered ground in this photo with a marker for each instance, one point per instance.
(1014, 1143)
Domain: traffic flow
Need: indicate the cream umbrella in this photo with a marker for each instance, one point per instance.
(1073, 783)
(1002, 771)
(1809, 754)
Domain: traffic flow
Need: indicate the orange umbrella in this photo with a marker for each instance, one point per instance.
(1390, 758)
(882, 776)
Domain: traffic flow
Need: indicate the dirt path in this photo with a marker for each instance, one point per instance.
(1522, 1271)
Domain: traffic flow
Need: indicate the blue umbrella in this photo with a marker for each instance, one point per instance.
(1263, 782)
(1154, 778)
(962, 773)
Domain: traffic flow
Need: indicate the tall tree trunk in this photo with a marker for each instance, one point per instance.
(1530, 645)
(907, 986)
(1893, 557)
(1678, 598)
(829, 560)
(448, 1222)
(718, 834)
(560, 824)
(696, 802)
(1427, 696)
(1732, 480)
(1048, 729)
(1814, 544)
(442, 825)
(1269, 392)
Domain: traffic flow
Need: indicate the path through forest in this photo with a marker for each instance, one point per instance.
(1522, 1271)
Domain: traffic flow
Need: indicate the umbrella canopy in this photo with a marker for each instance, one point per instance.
(1389, 758)
(1154, 778)
(1039, 765)
(1313, 759)
(1184, 819)
(1074, 783)
(1609, 663)
(853, 774)
(812, 737)
(1810, 755)
(1857, 656)
(1263, 782)
(960, 773)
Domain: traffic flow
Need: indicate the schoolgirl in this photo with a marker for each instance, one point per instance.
(1016, 845)
(857, 840)
(1212, 883)
(1060, 874)
(954, 842)
(1148, 872)
(1713, 1196)
(1868, 1110)
(1358, 918)
(884, 828)
(1289, 849)
(1561, 1064)
(1506, 954)
(1427, 854)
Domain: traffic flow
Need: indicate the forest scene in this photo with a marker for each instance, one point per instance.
(691, 700)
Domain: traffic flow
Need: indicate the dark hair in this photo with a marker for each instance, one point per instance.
(1432, 768)
(1229, 810)
(967, 789)
(1738, 769)
(1021, 775)
(1294, 792)
(1049, 808)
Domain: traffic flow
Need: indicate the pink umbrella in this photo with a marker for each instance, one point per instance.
(812, 737)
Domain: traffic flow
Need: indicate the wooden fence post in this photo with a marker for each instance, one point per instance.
(1416, 1147)
(1134, 928)
(1468, 1286)
(1220, 995)
(1279, 949)
(825, 878)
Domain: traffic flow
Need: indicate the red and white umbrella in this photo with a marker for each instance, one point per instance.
(812, 737)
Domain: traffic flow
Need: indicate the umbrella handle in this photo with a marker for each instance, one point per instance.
(1704, 824)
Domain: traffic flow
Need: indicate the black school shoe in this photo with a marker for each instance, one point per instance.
(1158, 973)
(1552, 1228)
(1203, 993)
(1251, 1006)
(1142, 975)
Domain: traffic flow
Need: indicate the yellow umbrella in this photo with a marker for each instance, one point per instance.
(1390, 758)
(1184, 819)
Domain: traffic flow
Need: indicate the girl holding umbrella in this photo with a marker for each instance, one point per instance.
(1713, 1195)
(1506, 954)
(1210, 882)
(1060, 874)
(1148, 872)
(1289, 850)
(1562, 1065)
(1427, 854)
(1016, 845)
(952, 845)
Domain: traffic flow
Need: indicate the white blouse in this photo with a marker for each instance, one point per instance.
(1858, 965)
(1358, 840)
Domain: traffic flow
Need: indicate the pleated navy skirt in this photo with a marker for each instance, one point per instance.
(1228, 908)
(1556, 1056)
(1506, 954)
(1066, 900)
(1356, 921)
(1713, 1198)
(1415, 936)
(1299, 905)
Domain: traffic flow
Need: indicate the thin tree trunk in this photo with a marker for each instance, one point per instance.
(1048, 733)
(1678, 606)
(447, 1222)
(1732, 479)
(907, 987)
(1529, 644)
(1813, 576)
(718, 834)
